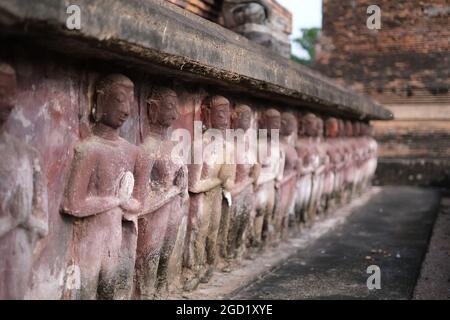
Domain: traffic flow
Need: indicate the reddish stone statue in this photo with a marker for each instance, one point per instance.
(340, 182)
(331, 187)
(307, 163)
(99, 192)
(287, 190)
(271, 160)
(23, 199)
(321, 170)
(162, 189)
(207, 182)
(237, 222)
(370, 155)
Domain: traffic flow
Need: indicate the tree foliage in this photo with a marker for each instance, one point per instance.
(307, 41)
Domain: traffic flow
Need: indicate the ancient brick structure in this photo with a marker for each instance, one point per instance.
(101, 188)
(405, 66)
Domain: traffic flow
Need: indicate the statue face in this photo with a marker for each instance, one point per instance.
(220, 116)
(168, 111)
(244, 120)
(331, 128)
(319, 132)
(288, 124)
(348, 129)
(341, 128)
(116, 105)
(356, 129)
(300, 129)
(309, 126)
(273, 123)
(7, 96)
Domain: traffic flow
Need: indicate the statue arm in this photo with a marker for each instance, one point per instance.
(77, 202)
(7, 223)
(198, 185)
(228, 175)
(38, 221)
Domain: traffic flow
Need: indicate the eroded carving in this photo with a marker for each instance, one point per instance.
(23, 199)
(99, 194)
(162, 188)
(207, 182)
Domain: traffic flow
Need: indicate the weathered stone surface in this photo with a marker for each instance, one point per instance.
(23, 199)
(156, 33)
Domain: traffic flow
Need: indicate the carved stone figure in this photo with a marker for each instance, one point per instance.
(370, 155)
(237, 222)
(162, 189)
(255, 20)
(307, 163)
(331, 175)
(240, 12)
(340, 178)
(207, 182)
(99, 193)
(320, 173)
(23, 199)
(271, 174)
(287, 190)
(349, 170)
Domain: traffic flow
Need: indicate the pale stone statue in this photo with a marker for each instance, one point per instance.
(237, 222)
(23, 199)
(99, 193)
(271, 174)
(287, 190)
(331, 187)
(344, 157)
(370, 147)
(162, 189)
(309, 161)
(208, 181)
(321, 172)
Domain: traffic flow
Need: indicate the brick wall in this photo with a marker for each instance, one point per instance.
(405, 66)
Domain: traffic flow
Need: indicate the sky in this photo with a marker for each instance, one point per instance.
(305, 14)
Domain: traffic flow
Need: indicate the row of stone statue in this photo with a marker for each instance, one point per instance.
(128, 202)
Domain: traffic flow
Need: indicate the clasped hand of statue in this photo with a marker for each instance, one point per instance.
(127, 203)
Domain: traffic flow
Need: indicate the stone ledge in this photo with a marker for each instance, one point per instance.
(152, 34)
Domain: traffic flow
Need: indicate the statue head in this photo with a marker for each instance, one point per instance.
(288, 124)
(356, 128)
(370, 130)
(7, 91)
(319, 125)
(114, 95)
(215, 112)
(348, 128)
(300, 129)
(331, 127)
(309, 124)
(270, 120)
(341, 127)
(242, 117)
(162, 106)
